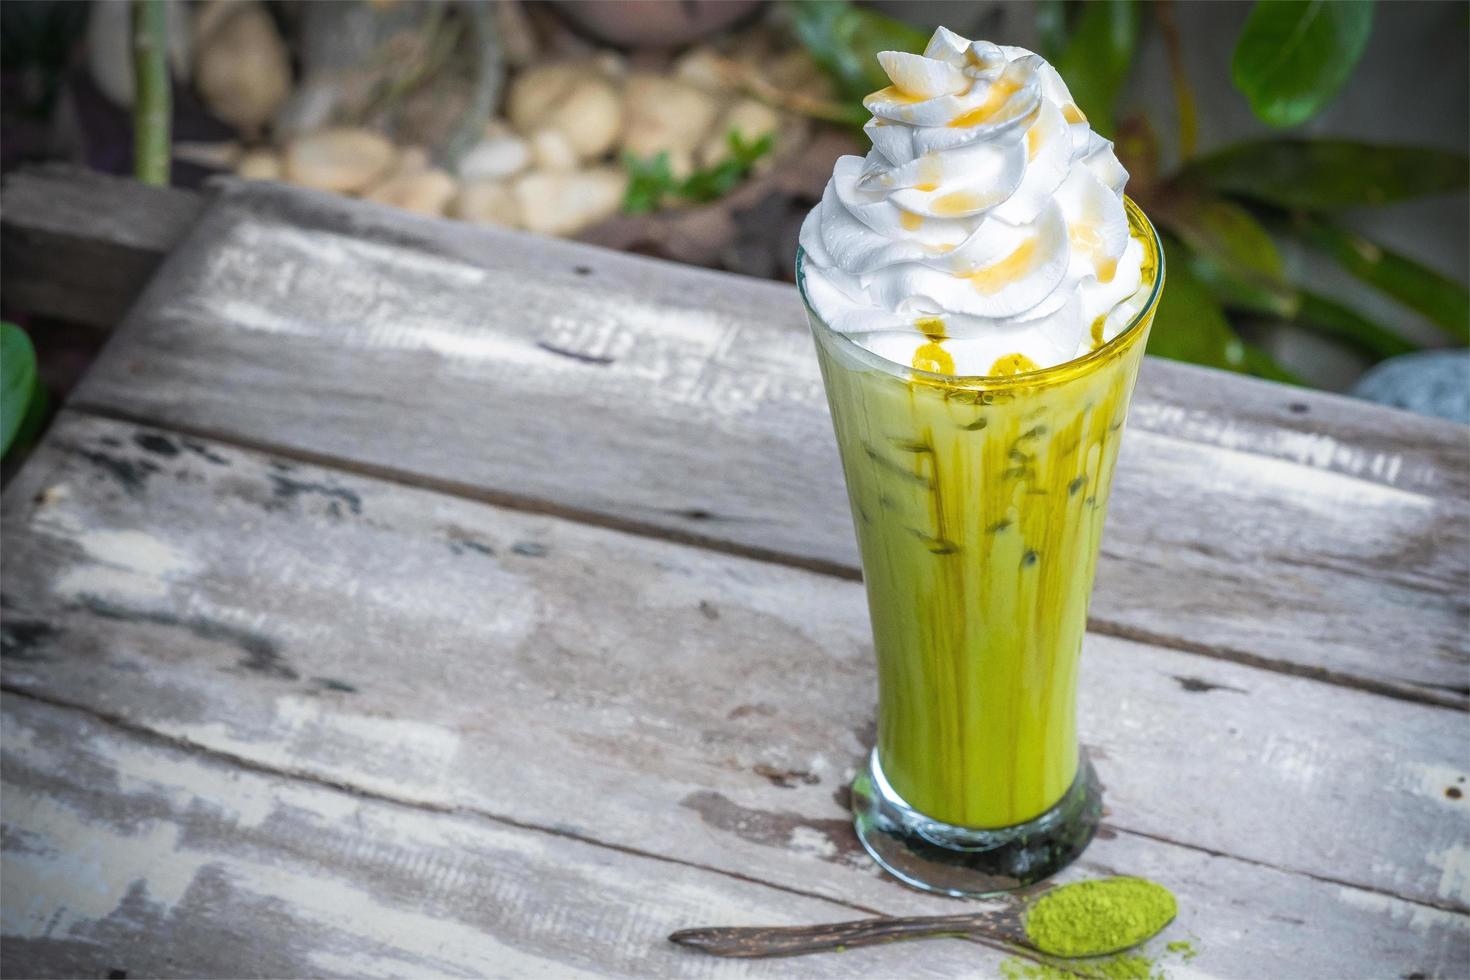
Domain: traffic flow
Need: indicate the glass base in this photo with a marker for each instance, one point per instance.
(965, 862)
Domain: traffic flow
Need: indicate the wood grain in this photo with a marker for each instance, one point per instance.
(124, 853)
(423, 649)
(1254, 522)
(79, 245)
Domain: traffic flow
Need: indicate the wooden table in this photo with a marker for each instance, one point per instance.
(396, 597)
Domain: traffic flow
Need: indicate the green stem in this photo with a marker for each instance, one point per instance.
(152, 102)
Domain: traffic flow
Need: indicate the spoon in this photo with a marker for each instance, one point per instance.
(1113, 927)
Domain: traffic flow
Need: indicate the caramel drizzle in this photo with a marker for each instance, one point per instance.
(932, 356)
(1010, 364)
(996, 276)
(1087, 237)
(1000, 90)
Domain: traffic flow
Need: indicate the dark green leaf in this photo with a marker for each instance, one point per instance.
(1281, 300)
(725, 176)
(1262, 365)
(1442, 300)
(1333, 319)
(648, 181)
(1250, 294)
(1190, 326)
(35, 418)
(1294, 55)
(651, 180)
(1225, 233)
(1098, 58)
(17, 381)
(845, 40)
(1324, 174)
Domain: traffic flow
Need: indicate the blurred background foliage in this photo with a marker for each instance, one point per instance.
(1277, 241)
(1223, 215)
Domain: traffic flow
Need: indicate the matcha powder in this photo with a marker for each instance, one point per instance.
(1092, 918)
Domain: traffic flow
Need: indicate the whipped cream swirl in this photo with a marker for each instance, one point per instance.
(984, 233)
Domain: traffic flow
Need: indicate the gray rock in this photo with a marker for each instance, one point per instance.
(1433, 382)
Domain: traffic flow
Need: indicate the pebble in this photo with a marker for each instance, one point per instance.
(665, 114)
(702, 66)
(344, 159)
(551, 151)
(487, 202)
(259, 165)
(566, 203)
(1433, 382)
(575, 99)
(495, 157)
(426, 191)
(241, 68)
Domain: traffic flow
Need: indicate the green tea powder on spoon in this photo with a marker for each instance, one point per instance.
(1092, 918)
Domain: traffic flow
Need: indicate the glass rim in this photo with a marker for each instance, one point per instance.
(1136, 219)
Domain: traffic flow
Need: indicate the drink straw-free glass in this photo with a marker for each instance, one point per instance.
(979, 505)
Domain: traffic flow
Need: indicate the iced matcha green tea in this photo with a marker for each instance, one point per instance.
(979, 348)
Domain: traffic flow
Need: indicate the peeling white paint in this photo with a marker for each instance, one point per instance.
(1454, 865)
(84, 869)
(1421, 919)
(809, 840)
(120, 585)
(136, 550)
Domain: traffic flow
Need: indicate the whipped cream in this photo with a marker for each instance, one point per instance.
(984, 233)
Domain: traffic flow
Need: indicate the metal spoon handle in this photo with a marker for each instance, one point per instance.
(752, 941)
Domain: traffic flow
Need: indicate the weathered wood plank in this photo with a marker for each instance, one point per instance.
(78, 245)
(1251, 521)
(125, 853)
(121, 853)
(650, 695)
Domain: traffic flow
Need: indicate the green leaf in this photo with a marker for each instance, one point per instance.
(1247, 293)
(648, 181)
(1440, 299)
(1284, 301)
(845, 40)
(1333, 319)
(1098, 58)
(1294, 55)
(725, 176)
(1190, 326)
(1326, 174)
(1226, 233)
(17, 381)
(651, 180)
(1262, 365)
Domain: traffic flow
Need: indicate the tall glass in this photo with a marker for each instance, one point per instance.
(979, 505)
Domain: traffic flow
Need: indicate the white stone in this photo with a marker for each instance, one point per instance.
(665, 114)
(566, 203)
(259, 165)
(551, 151)
(702, 66)
(575, 99)
(344, 160)
(426, 191)
(241, 68)
(487, 202)
(494, 158)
